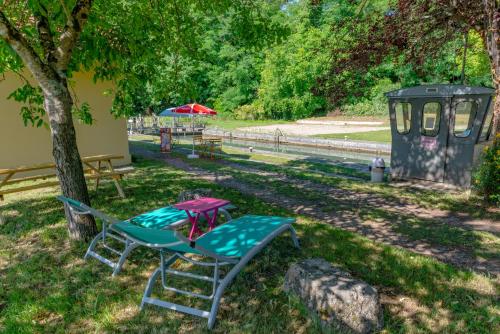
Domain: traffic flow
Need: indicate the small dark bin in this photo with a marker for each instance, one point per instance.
(439, 131)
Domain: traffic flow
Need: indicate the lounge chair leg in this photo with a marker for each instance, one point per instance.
(123, 257)
(220, 290)
(238, 267)
(149, 286)
(165, 265)
(216, 277)
(154, 276)
(92, 245)
(294, 237)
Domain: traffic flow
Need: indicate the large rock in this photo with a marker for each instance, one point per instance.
(340, 301)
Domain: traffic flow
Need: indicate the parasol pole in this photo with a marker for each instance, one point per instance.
(193, 155)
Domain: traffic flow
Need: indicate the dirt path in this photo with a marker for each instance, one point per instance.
(351, 220)
(396, 206)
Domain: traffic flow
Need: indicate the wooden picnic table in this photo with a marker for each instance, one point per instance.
(95, 167)
(208, 145)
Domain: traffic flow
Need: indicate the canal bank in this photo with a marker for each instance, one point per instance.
(278, 138)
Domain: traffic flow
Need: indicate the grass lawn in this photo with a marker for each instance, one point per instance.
(255, 159)
(232, 124)
(47, 287)
(482, 244)
(383, 136)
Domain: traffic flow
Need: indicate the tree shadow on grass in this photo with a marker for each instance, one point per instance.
(327, 166)
(392, 222)
(27, 214)
(464, 298)
(50, 288)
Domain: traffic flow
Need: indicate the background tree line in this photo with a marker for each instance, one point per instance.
(296, 59)
(248, 58)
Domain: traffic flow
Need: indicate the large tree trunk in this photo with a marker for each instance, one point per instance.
(50, 75)
(69, 170)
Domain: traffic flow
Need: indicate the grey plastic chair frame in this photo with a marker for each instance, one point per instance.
(108, 231)
(218, 284)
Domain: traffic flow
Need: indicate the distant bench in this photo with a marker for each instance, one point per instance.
(94, 168)
(208, 146)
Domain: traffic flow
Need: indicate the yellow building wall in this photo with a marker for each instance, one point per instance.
(26, 145)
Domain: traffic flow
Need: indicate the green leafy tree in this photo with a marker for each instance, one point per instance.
(43, 36)
(425, 27)
(290, 71)
(52, 39)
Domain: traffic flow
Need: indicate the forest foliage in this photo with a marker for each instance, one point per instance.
(262, 59)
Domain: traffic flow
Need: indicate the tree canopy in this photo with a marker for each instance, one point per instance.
(259, 59)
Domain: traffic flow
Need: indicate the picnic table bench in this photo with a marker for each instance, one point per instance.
(95, 167)
(208, 146)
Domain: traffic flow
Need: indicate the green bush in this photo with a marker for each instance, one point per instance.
(487, 177)
(376, 102)
(291, 70)
(248, 112)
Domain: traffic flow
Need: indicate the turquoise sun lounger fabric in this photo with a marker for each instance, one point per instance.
(153, 236)
(159, 218)
(233, 239)
(237, 237)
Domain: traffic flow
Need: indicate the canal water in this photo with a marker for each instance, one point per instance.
(325, 154)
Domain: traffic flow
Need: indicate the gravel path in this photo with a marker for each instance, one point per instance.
(349, 219)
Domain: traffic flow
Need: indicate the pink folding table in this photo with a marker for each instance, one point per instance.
(201, 206)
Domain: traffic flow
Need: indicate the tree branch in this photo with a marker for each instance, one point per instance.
(71, 33)
(22, 47)
(45, 34)
(65, 9)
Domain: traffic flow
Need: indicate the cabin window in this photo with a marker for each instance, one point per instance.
(485, 130)
(431, 117)
(465, 113)
(403, 117)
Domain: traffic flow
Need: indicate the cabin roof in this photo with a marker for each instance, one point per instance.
(442, 90)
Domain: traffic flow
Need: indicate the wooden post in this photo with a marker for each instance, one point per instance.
(2, 220)
(4, 181)
(98, 175)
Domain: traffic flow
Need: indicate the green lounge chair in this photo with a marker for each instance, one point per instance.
(163, 218)
(234, 244)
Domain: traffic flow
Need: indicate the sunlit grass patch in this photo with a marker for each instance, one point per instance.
(382, 136)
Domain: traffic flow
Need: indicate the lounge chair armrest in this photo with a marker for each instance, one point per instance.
(82, 209)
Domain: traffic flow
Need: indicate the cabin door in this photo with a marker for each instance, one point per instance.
(467, 114)
(429, 140)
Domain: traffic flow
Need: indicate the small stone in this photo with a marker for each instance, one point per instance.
(341, 301)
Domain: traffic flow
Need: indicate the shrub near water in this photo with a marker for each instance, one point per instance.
(487, 178)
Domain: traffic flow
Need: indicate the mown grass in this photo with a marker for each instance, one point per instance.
(382, 136)
(232, 124)
(256, 159)
(481, 244)
(47, 287)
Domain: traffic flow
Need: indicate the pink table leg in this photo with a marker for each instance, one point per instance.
(211, 221)
(194, 225)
